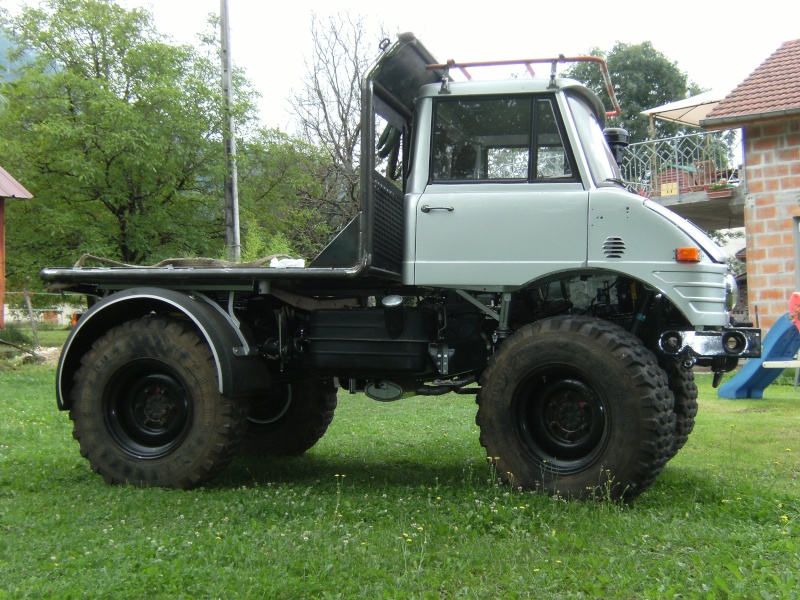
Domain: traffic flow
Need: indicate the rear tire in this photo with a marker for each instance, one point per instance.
(577, 407)
(147, 410)
(290, 418)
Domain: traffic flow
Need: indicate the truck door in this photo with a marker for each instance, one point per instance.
(504, 203)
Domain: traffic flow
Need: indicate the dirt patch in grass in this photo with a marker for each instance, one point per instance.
(49, 355)
(13, 357)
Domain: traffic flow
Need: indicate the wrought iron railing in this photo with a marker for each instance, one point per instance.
(686, 163)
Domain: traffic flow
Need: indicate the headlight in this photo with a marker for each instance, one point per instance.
(731, 292)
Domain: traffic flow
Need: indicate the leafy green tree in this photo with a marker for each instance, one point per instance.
(284, 203)
(643, 78)
(117, 134)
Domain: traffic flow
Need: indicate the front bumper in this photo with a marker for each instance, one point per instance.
(719, 349)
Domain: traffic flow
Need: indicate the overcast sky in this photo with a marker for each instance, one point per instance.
(718, 44)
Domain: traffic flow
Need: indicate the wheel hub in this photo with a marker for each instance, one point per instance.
(156, 407)
(568, 416)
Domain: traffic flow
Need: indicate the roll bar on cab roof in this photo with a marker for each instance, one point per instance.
(528, 64)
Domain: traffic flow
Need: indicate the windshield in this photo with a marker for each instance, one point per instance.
(601, 162)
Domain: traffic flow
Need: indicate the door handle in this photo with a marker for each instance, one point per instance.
(426, 209)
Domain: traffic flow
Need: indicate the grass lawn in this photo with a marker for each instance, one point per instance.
(49, 337)
(398, 501)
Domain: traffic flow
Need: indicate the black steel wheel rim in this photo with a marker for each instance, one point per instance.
(147, 409)
(561, 420)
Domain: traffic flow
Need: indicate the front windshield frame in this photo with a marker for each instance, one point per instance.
(602, 166)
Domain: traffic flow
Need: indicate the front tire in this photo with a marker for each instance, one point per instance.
(146, 407)
(577, 407)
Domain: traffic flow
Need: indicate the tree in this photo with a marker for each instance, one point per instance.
(117, 134)
(643, 78)
(282, 185)
(328, 106)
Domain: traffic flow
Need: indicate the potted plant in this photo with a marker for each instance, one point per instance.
(721, 189)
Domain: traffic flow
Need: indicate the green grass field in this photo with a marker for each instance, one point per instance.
(23, 336)
(398, 501)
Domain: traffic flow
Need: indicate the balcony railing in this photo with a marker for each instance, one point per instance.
(683, 164)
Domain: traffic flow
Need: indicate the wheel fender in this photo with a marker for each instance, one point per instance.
(239, 372)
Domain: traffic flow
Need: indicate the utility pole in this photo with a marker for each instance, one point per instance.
(232, 240)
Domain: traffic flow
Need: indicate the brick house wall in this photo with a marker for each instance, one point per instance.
(772, 216)
(766, 105)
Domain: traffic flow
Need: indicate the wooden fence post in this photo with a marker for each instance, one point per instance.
(30, 316)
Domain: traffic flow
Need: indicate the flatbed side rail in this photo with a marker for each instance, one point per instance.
(228, 278)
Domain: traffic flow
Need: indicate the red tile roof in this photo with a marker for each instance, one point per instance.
(772, 90)
(10, 187)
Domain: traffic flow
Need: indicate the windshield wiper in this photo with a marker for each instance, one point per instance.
(618, 181)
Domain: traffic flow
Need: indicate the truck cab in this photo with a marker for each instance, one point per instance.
(510, 187)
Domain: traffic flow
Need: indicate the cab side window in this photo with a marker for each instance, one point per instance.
(497, 139)
(482, 139)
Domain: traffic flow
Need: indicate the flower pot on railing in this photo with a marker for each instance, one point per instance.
(723, 189)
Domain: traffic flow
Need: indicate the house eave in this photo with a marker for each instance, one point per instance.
(748, 119)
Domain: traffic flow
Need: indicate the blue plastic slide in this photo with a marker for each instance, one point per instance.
(781, 343)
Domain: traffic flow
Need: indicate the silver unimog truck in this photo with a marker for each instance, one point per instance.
(497, 253)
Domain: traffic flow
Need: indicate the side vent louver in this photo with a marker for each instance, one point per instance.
(614, 247)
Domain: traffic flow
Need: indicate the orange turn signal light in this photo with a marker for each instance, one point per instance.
(687, 255)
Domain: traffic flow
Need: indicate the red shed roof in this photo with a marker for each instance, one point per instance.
(10, 187)
(771, 91)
